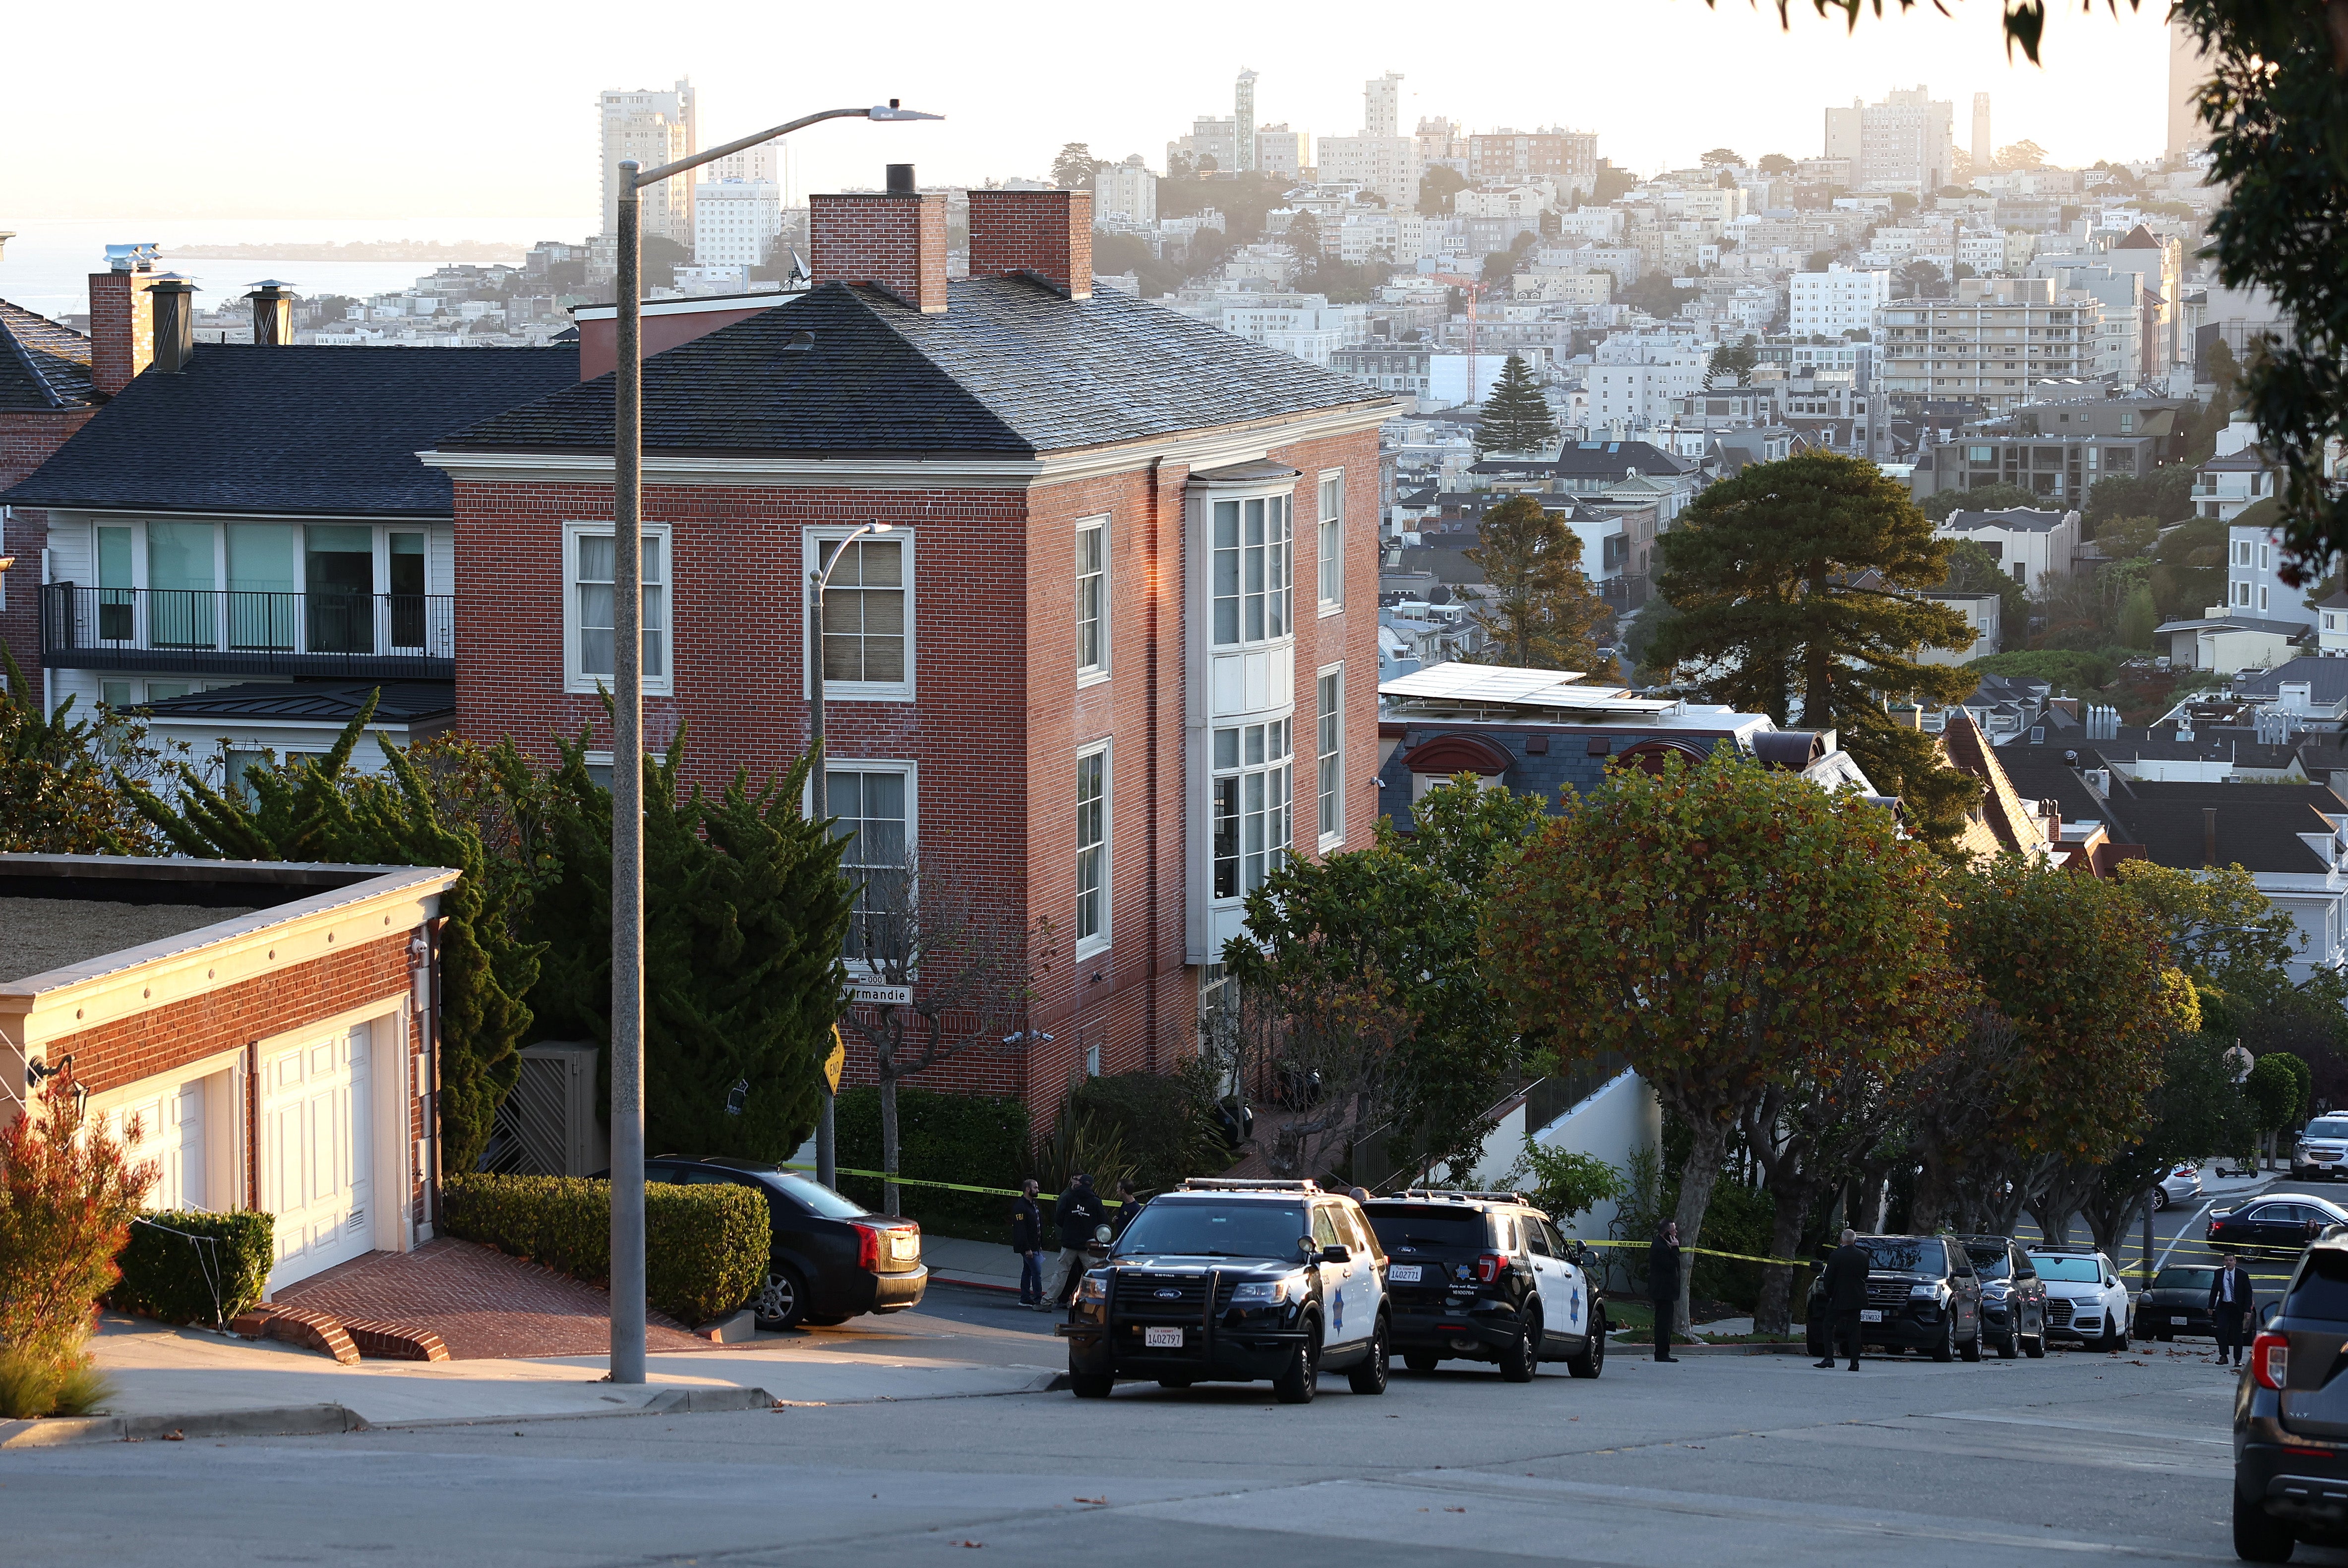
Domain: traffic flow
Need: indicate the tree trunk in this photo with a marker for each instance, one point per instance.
(1773, 1310)
(889, 1140)
(1707, 1145)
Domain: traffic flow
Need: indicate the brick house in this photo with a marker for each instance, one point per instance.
(48, 391)
(1116, 655)
(268, 1025)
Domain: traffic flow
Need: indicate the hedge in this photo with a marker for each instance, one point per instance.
(705, 1247)
(167, 1275)
(977, 1140)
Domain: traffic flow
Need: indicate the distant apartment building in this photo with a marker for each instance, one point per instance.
(2061, 467)
(1210, 146)
(1398, 369)
(653, 128)
(1990, 343)
(1382, 106)
(1282, 153)
(1840, 299)
(1637, 378)
(1243, 121)
(1565, 159)
(2120, 324)
(1903, 143)
(1443, 141)
(736, 222)
(1387, 165)
(762, 164)
(2254, 584)
(2032, 545)
(1127, 191)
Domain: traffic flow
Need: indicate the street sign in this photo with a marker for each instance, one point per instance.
(897, 993)
(834, 1062)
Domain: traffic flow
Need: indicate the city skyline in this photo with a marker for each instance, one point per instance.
(370, 144)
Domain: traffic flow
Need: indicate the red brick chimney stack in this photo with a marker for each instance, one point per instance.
(1044, 235)
(121, 321)
(895, 241)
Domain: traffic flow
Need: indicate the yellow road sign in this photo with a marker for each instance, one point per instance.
(834, 1062)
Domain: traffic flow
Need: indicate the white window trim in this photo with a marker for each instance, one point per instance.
(913, 772)
(855, 691)
(1099, 941)
(1328, 842)
(1094, 674)
(1284, 491)
(1330, 606)
(575, 679)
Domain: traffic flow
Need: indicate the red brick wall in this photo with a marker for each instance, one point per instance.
(895, 242)
(27, 441)
(121, 328)
(1048, 232)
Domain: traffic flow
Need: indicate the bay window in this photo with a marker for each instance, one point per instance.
(1252, 805)
(1250, 570)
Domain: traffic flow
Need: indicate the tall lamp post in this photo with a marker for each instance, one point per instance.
(627, 740)
(827, 1158)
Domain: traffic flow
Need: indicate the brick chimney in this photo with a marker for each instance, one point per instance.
(1047, 236)
(121, 318)
(895, 242)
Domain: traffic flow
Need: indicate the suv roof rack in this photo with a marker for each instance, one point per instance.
(1234, 1184)
(1464, 1195)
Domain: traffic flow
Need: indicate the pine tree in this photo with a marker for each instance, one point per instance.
(1799, 580)
(1516, 416)
(1547, 615)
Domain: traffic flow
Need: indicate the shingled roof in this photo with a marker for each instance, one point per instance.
(43, 366)
(315, 430)
(2259, 825)
(1011, 368)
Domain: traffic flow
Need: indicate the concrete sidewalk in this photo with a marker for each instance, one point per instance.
(982, 1265)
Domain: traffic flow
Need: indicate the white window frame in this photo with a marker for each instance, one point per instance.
(1325, 760)
(1329, 562)
(574, 676)
(912, 770)
(1097, 671)
(810, 558)
(1282, 599)
(1279, 817)
(1098, 940)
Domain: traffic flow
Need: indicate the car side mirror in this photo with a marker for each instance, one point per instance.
(1336, 1252)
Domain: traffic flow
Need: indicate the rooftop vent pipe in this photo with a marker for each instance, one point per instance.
(175, 323)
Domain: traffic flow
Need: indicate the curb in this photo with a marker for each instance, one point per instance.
(936, 1278)
(288, 1420)
(1775, 1347)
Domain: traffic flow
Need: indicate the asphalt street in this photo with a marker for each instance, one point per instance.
(1746, 1459)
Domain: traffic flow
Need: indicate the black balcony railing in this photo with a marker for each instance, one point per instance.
(207, 631)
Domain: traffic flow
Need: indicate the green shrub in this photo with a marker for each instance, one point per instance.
(705, 1247)
(979, 1141)
(1162, 1123)
(167, 1275)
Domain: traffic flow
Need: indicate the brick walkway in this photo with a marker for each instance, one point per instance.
(482, 1303)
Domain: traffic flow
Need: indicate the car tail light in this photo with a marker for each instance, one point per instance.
(2270, 1359)
(868, 1247)
(1489, 1267)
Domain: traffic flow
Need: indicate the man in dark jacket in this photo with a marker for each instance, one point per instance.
(1663, 1286)
(2233, 1303)
(1128, 1204)
(1078, 1215)
(1844, 1293)
(1027, 1241)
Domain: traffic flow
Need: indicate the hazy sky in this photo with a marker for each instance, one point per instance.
(481, 118)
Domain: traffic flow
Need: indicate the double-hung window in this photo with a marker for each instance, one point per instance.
(588, 607)
(1250, 569)
(868, 614)
(1331, 543)
(1331, 693)
(872, 807)
(1092, 599)
(1092, 849)
(1252, 805)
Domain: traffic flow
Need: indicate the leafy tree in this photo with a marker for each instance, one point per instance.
(1305, 238)
(2194, 1110)
(1612, 182)
(1516, 416)
(2022, 156)
(2138, 617)
(1973, 570)
(1720, 157)
(2070, 673)
(2165, 495)
(2126, 537)
(1566, 1182)
(67, 1195)
(1364, 968)
(1436, 189)
(1798, 581)
(2272, 1091)
(1074, 166)
(1775, 163)
(1734, 360)
(2188, 572)
(1544, 614)
(1656, 294)
(58, 795)
(1980, 497)
(1902, 204)
(1922, 279)
(1722, 926)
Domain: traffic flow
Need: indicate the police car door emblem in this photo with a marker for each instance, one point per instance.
(1337, 1311)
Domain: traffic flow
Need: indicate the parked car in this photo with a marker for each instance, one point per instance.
(2013, 1296)
(832, 1258)
(1235, 1281)
(2182, 1185)
(2276, 1222)
(1922, 1294)
(2178, 1301)
(2290, 1415)
(2321, 1153)
(2085, 1298)
(1485, 1276)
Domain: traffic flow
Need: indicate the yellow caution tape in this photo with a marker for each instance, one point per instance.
(948, 1186)
(1714, 1252)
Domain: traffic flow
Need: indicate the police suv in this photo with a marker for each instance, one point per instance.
(1485, 1276)
(1232, 1281)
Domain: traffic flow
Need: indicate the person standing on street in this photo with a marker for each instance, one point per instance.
(1844, 1293)
(1128, 1204)
(1078, 1215)
(2232, 1301)
(1663, 1286)
(1027, 1241)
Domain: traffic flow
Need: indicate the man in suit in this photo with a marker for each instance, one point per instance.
(2233, 1303)
(1663, 1286)
(1844, 1293)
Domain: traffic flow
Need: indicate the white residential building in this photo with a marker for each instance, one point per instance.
(2231, 482)
(1398, 236)
(1991, 343)
(1504, 201)
(1283, 153)
(1905, 142)
(1839, 300)
(1386, 164)
(1382, 106)
(1126, 190)
(2119, 330)
(1636, 377)
(652, 127)
(736, 222)
(2029, 544)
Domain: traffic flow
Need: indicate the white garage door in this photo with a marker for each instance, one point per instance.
(315, 1151)
(171, 1122)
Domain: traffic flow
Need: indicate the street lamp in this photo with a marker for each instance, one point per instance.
(826, 1160)
(627, 740)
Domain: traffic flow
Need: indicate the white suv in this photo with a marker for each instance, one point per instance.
(2085, 1298)
(2321, 1150)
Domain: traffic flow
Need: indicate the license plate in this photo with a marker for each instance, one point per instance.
(1403, 1274)
(2180, 1321)
(1162, 1338)
(1870, 1315)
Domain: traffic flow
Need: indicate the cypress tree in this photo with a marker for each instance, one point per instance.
(1516, 416)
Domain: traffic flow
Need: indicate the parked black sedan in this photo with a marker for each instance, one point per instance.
(2277, 1224)
(832, 1258)
(2177, 1303)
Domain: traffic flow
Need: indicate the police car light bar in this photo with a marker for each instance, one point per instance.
(1221, 1185)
